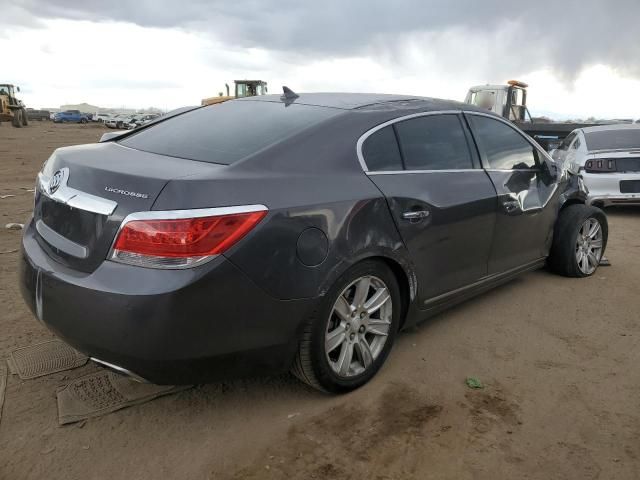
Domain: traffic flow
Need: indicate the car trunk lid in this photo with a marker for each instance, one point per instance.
(84, 192)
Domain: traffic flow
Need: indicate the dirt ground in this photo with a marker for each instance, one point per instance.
(559, 358)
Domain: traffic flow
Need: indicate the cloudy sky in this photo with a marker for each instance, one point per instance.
(581, 58)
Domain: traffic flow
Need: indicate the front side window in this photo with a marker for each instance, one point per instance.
(433, 142)
(503, 147)
(380, 151)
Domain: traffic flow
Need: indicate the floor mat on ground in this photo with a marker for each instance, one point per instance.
(105, 392)
(3, 386)
(44, 358)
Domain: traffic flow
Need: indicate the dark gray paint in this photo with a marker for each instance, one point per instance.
(182, 326)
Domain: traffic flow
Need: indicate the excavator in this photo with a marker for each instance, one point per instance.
(11, 109)
(243, 88)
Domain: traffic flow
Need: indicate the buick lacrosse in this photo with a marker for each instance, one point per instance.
(293, 232)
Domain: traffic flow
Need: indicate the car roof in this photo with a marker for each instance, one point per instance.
(367, 101)
(615, 126)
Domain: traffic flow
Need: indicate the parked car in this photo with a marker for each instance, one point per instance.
(70, 116)
(33, 114)
(607, 158)
(143, 119)
(119, 121)
(295, 232)
(101, 117)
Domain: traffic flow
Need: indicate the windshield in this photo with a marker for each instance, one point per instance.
(483, 99)
(622, 139)
(227, 132)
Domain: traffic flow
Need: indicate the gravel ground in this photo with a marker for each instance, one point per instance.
(558, 357)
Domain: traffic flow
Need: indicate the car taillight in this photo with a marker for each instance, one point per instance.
(600, 165)
(183, 238)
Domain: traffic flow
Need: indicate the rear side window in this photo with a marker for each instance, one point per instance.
(381, 152)
(227, 132)
(623, 139)
(433, 142)
(504, 148)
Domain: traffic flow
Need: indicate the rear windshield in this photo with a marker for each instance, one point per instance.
(623, 139)
(227, 132)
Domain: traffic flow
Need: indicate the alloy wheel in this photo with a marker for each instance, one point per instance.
(358, 326)
(589, 246)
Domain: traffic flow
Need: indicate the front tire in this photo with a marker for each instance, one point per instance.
(349, 337)
(16, 121)
(25, 118)
(579, 241)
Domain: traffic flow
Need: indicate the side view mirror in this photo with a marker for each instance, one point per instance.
(18, 88)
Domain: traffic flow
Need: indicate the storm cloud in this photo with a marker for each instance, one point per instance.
(496, 36)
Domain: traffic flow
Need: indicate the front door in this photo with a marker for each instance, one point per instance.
(526, 184)
(443, 203)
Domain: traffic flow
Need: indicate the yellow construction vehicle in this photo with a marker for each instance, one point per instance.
(11, 109)
(244, 88)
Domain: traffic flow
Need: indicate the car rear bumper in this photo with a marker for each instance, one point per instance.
(605, 188)
(164, 326)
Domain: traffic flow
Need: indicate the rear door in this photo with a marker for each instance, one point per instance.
(526, 184)
(442, 201)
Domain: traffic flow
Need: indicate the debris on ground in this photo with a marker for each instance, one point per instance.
(104, 392)
(44, 358)
(14, 226)
(2, 197)
(604, 262)
(3, 385)
(15, 250)
(473, 383)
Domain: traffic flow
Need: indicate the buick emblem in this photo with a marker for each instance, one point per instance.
(55, 181)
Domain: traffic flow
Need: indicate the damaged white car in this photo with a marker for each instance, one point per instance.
(607, 157)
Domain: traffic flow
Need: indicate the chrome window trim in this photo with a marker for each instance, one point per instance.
(395, 172)
(75, 198)
(178, 214)
(373, 130)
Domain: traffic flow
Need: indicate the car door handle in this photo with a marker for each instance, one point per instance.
(511, 206)
(415, 215)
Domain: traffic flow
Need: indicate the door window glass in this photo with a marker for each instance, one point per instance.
(433, 142)
(576, 144)
(567, 141)
(380, 151)
(504, 148)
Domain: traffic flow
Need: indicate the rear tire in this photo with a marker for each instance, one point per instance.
(83, 120)
(337, 330)
(16, 121)
(579, 241)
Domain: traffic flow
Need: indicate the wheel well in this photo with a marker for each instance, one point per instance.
(403, 283)
(572, 201)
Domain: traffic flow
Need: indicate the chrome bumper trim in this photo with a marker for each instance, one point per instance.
(629, 199)
(118, 369)
(75, 198)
